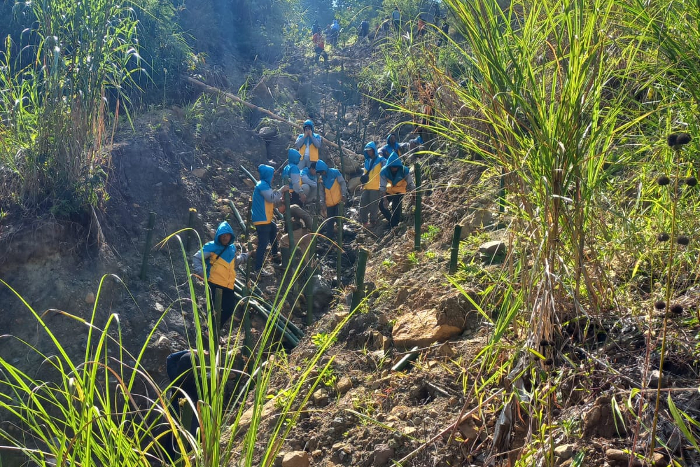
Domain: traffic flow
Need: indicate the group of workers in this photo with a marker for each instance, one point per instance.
(307, 179)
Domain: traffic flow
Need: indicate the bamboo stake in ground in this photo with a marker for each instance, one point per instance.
(190, 225)
(360, 280)
(454, 250)
(417, 211)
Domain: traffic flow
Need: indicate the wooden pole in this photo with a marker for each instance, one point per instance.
(147, 246)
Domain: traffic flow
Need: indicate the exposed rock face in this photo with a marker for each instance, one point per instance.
(453, 315)
(422, 328)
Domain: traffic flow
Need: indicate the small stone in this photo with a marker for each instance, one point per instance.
(320, 397)
(659, 460)
(382, 454)
(654, 380)
(564, 452)
(409, 431)
(199, 173)
(163, 343)
(616, 455)
(492, 249)
(90, 298)
(296, 459)
(344, 385)
(339, 317)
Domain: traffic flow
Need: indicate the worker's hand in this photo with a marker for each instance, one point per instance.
(285, 189)
(302, 197)
(385, 202)
(324, 213)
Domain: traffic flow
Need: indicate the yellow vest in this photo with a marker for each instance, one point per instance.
(313, 152)
(222, 273)
(373, 183)
(398, 189)
(333, 196)
(269, 214)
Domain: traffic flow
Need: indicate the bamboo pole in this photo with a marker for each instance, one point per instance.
(218, 297)
(147, 246)
(339, 265)
(406, 359)
(238, 217)
(235, 98)
(418, 209)
(310, 275)
(288, 221)
(360, 280)
(190, 225)
(247, 329)
(454, 250)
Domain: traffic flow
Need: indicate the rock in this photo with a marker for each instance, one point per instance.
(654, 380)
(446, 350)
(341, 452)
(163, 343)
(296, 459)
(353, 183)
(338, 317)
(323, 294)
(619, 457)
(382, 455)
(401, 296)
(267, 410)
(267, 132)
(376, 340)
(493, 248)
(564, 452)
(457, 310)
(344, 385)
(409, 431)
(600, 421)
(422, 328)
(199, 173)
(320, 397)
(659, 460)
(469, 430)
(90, 298)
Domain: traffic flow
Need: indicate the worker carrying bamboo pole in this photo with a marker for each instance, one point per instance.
(220, 257)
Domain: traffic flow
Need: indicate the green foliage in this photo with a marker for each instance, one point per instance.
(429, 235)
(322, 339)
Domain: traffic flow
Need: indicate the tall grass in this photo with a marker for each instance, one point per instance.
(100, 410)
(55, 104)
(566, 104)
